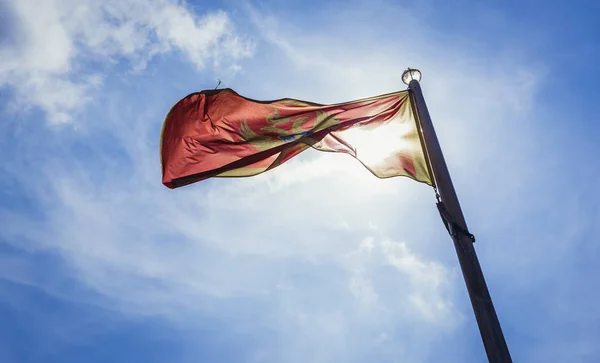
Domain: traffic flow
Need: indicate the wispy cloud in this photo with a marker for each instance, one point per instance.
(56, 52)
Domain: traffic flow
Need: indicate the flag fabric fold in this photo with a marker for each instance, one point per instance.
(219, 133)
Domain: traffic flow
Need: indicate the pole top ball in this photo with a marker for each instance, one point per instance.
(411, 74)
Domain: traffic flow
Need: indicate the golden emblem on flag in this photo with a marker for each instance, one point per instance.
(279, 130)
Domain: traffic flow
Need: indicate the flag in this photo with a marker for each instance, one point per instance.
(218, 133)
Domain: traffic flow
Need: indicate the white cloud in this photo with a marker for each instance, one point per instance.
(427, 278)
(54, 39)
(191, 253)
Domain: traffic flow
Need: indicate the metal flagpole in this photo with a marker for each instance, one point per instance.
(452, 215)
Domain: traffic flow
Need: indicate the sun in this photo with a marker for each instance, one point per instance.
(387, 149)
(374, 146)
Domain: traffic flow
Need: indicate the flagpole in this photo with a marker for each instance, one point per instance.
(483, 307)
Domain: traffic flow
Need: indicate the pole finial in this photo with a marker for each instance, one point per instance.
(411, 74)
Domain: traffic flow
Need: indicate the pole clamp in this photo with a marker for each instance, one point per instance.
(452, 227)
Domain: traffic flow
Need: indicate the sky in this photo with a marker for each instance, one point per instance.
(316, 260)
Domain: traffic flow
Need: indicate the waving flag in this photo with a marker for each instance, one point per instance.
(219, 133)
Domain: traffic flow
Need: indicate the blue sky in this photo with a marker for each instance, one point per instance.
(316, 260)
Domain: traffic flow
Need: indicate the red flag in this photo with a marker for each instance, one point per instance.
(219, 133)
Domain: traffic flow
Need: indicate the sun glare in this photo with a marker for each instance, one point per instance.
(375, 146)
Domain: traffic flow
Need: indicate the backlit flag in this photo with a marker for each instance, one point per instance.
(219, 133)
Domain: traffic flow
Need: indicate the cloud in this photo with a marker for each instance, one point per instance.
(198, 253)
(54, 60)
